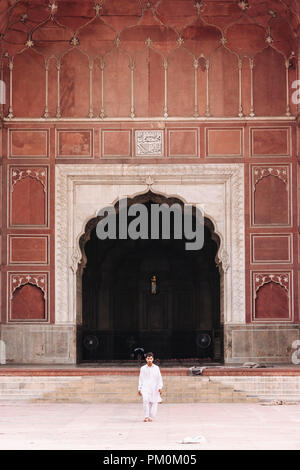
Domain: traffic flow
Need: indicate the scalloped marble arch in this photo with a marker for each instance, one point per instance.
(142, 198)
(81, 190)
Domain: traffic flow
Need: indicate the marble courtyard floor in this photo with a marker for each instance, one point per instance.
(70, 426)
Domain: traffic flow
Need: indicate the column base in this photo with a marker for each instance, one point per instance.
(39, 344)
(260, 343)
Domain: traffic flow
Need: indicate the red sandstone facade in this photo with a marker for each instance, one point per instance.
(214, 76)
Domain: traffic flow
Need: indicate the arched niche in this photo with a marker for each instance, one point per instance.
(28, 303)
(269, 94)
(28, 69)
(149, 83)
(74, 84)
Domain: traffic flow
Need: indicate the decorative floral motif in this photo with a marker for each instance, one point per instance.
(38, 173)
(272, 13)
(264, 278)
(199, 7)
(224, 259)
(261, 172)
(29, 43)
(243, 4)
(98, 7)
(149, 181)
(53, 7)
(23, 18)
(39, 280)
(74, 41)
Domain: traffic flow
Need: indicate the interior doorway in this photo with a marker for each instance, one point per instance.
(150, 294)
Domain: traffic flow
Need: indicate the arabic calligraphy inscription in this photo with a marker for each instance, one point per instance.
(149, 143)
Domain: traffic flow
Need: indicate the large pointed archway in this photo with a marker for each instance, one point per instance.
(152, 294)
(217, 189)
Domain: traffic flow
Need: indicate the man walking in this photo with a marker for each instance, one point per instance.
(150, 387)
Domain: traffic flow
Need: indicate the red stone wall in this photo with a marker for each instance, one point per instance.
(27, 292)
(271, 204)
(110, 68)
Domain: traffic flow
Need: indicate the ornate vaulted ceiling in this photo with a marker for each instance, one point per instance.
(128, 58)
(52, 26)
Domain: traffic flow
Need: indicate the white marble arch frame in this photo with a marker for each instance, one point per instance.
(216, 189)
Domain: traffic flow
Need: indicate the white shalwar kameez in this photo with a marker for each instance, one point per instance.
(150, 382)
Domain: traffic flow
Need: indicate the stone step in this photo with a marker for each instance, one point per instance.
(177, 389)
(284, 387)
(285, 398)
(194, 390)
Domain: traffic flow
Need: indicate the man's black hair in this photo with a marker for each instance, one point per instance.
(149, 354)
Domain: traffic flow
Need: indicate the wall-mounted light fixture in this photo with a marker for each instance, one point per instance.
(153, 285)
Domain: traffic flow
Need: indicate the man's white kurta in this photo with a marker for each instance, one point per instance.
(150, 381)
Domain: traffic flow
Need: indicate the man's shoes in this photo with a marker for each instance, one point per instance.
(147, 419)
